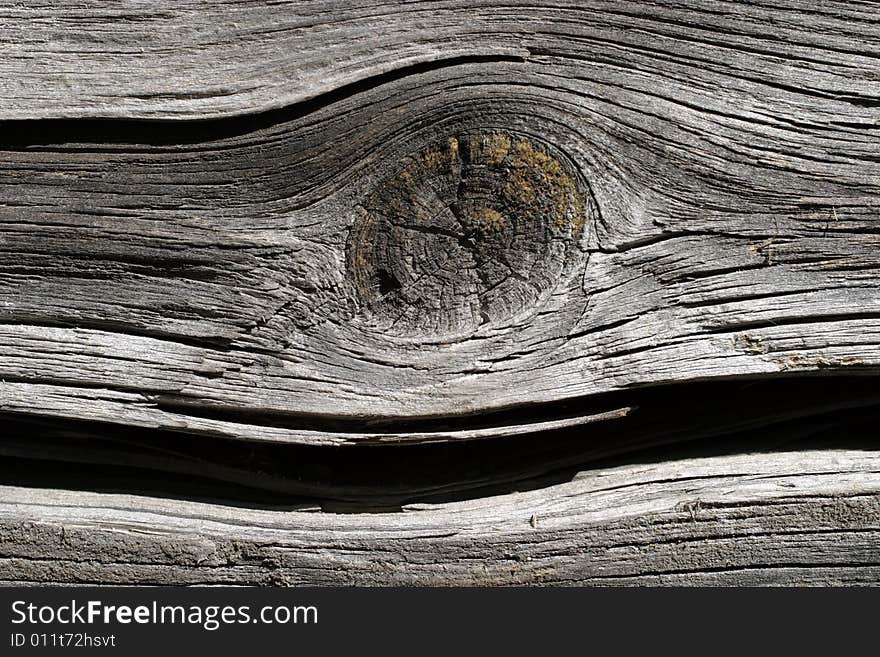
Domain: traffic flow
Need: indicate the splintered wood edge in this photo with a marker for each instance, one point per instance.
(810, 517)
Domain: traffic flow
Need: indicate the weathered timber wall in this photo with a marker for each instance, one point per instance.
(248, 243)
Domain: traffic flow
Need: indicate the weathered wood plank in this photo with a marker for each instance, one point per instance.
(275, 228)
(810, 517)
(730, 190)
(214, 57)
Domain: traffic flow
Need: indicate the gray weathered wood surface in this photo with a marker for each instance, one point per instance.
(325, 225)
(739, 520)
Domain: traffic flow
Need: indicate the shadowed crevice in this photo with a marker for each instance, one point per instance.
(100, 135)
(668, 422)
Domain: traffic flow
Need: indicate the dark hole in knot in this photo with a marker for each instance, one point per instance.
(387, 282)
(468, 241)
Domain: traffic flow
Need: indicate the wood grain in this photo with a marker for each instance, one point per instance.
(324, 225)
(806, 517)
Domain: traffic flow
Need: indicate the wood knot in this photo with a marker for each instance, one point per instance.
(470, 231)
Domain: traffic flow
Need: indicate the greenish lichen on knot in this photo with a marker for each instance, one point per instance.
(473, 230)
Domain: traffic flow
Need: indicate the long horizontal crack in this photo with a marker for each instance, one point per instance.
(732, 416)
(100, 135)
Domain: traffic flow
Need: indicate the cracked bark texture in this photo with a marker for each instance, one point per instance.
(239, 238)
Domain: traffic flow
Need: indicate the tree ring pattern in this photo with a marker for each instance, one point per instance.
(471, 231)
